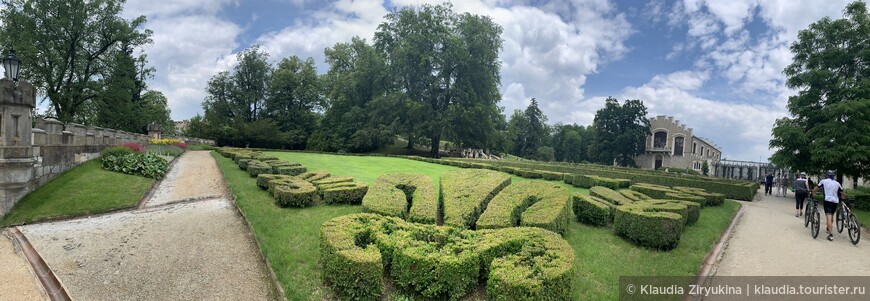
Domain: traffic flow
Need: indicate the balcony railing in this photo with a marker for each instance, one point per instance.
(658, 149)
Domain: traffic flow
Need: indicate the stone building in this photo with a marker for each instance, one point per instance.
(673, 145)
(181, 126)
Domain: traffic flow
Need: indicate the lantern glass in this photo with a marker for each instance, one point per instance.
(11, 65)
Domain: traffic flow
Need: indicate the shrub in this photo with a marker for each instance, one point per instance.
(443, 262)
(592, 210)
(652, 224)
(116, 151)
(133, 146)
(685, 197)
(535, 204)
(405, 195)
(343, 193)
(711, 199)
(293, 192)
(165, 141)
(146, 165)
(609, 195)
(552, 175)
(466, 192)
(653, 191)
(861, 196)
(331, 180)
(181, 145)
(313, 175)
(634, 196)
(256, 167)
(165, 150)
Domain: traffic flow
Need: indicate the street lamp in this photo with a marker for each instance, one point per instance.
(12, 65)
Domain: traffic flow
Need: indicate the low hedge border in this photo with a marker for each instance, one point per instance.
(609, 195)
(682, 196)
(533, 204)
(331, 180)
(343, 193)
(587, 181)
(634, 195)
(592, 210)
(358, 250)
(389, 196)
(653, 191)
(465, 194)
(657, 225)
(711, 198)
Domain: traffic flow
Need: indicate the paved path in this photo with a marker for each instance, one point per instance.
(770, 241)
(18, 280)
(192, 250)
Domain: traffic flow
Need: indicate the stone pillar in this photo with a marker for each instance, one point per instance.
(16, 152)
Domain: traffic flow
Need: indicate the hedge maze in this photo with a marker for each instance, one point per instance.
(533, 204)
(405, 195)
(358, 250)
(291, 184)
(465, 193)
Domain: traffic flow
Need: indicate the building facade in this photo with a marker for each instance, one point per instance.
(673, 145)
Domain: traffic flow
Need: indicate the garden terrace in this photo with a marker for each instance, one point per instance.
(535, 204)
(465, 194)
(443, 262)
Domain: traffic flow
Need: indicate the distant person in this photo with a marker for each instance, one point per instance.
(783, 185)
(768, 184)
(801, 191)
(776, 182)
(833, 192)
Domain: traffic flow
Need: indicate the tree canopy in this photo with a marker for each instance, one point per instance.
(621, 131)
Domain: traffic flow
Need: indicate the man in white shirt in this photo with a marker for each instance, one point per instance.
(833, 192)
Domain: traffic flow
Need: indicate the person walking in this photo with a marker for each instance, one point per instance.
(833, 192)
(777, 181)
(768, 184)
(784, 185)
(801, 190)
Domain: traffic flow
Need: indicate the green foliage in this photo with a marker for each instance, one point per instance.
(534, 204)
(116, 151)
(292, 192)
(146, 165)
(622, 131)
(634, 196)
(571, 142)
(610, 195)
(701, 201)
(405, 195)
(466, 193)
(654, 191)
(656, 225)
(165, 150)
(592, 210)
(527, 133)
(443, 262)
(68, 48)
(343, 193)
(585, 181)
(710, 198)
(705, 167)
(331, 180)
(256, 167)
(832, 107)
(544, 153)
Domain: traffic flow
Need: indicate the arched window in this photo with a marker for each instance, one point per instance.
(678, 146)
(660, 140)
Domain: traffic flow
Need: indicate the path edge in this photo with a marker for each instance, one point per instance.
(715, 253)
(232, 197)
(148, 195)
(49, 281)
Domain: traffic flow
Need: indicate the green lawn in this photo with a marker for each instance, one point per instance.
(863, 218)
(86, 189)
(289, 236)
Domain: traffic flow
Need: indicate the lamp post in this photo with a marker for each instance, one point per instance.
(12, 65)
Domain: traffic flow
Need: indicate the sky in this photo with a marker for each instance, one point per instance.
(714, 65)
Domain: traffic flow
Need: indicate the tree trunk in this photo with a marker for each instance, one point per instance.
(436, 141)
(855, 182)
(410, 140)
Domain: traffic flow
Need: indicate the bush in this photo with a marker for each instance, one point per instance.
(710, 199)
(116, 151)
(682, 196)
(331, 180)
(466, 192)
(634, 196)
(343, 193)
(552, 175)
(312, 176)
(405, 195)
(256, 167)
(288, 191)
(653, 191)
(535, 204)
(609, 195)
(443, 262)
(592, 210)
(133, 146)
(656, 225)
(165, 150)
(861, 196)
(146, 165)
(289, 170)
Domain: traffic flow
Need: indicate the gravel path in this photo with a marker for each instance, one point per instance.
(194, 176)
(194, 250)
(770, 241)
(19, 282)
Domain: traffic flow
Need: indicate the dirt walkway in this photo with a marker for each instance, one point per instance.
(770, 241)
(19, 282)
(195, 250)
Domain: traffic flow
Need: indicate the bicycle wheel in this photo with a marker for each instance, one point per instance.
(814, 228)
(839, 219)
(807, 213)
(854, 228)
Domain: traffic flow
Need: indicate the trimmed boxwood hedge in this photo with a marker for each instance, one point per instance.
(653, 191)
(592, 210)
(293, 192)
(406, 195)
(256, 167)
(535, 204)
(437, 262)
(465, 194)
(331, 180)
(682, 196)
(609, 195)
(312, 176)
(343, 193)
(656, 225)
(634, 195)
(587, 181)
(711, 198)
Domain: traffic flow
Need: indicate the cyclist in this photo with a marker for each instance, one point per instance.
(801, 190)
(833, 192)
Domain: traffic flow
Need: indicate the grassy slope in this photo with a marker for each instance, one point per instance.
(863, 218)
(86, 189)
(289, 237)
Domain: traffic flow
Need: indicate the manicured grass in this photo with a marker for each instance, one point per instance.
(290, 237)
(86, 189)
(863, 218)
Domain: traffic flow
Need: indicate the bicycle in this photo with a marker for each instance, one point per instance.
(808, 210)
(812, 216)
(845, 218)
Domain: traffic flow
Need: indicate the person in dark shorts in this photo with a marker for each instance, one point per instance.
(768, 184)
(833, 193)
(801, 190)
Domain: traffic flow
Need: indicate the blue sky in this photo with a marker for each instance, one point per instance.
(716, 65)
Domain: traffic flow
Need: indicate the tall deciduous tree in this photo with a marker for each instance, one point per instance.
(449, 63)
(294, 95)
(65, 46)
(621, 131)
(832, 107)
